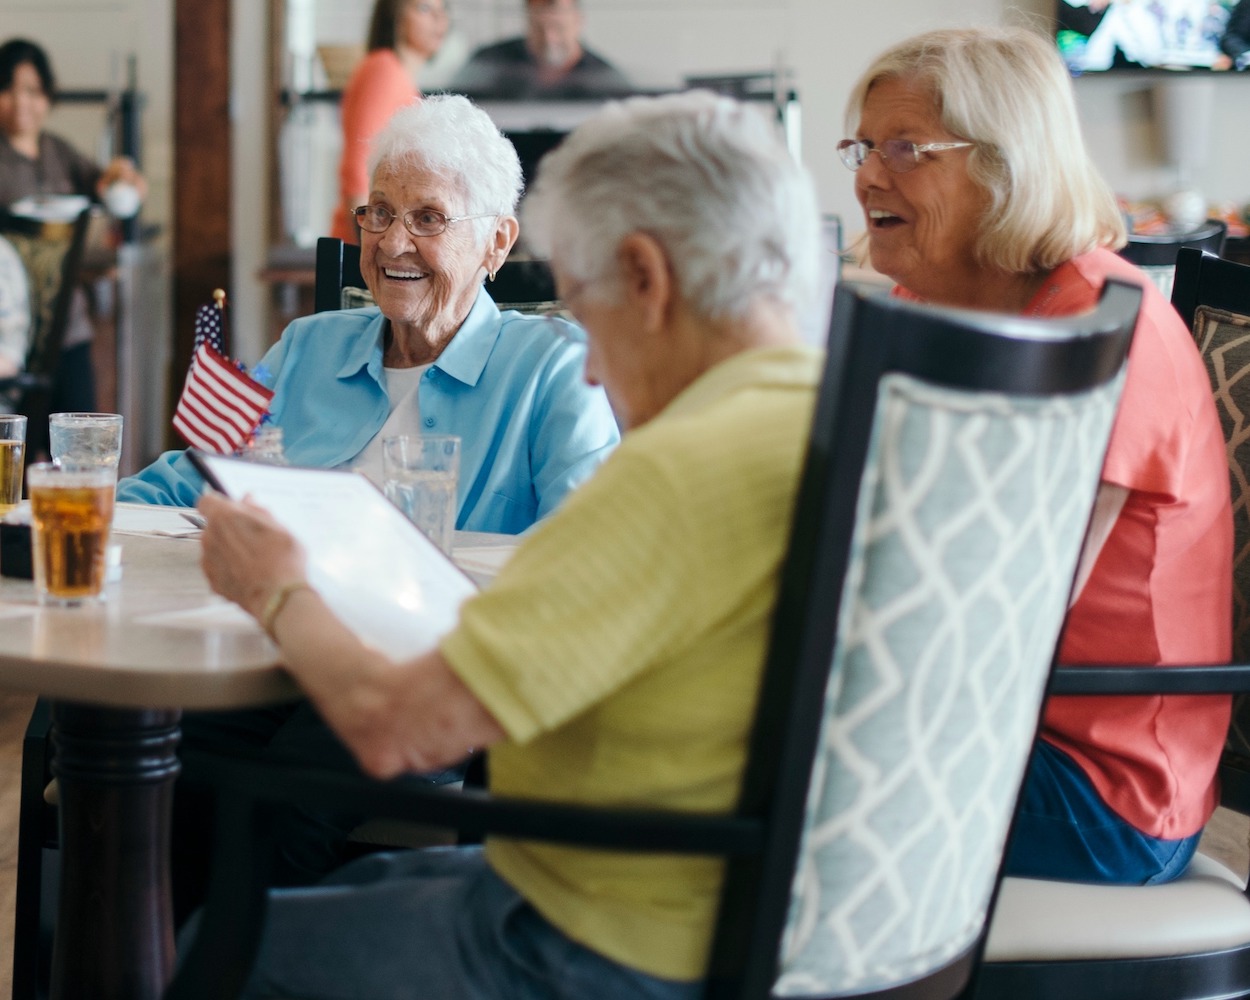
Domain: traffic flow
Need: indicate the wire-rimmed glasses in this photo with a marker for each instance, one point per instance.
(419, 221)
(898, 155)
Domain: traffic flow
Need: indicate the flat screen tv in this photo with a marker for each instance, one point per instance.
(1203, 35)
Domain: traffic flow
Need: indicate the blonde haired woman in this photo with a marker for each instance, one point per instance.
(978, 193)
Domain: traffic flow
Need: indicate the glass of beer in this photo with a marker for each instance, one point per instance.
(12, 460)
(71, 511)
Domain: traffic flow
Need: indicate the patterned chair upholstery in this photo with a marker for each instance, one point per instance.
(1189, 938)
(946, 635)
(1223, 337)
(944, 500)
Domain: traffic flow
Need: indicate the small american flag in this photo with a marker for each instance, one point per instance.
(220, 404)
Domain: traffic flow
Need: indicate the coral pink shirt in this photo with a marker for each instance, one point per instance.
(379, 86)
(1161, 590)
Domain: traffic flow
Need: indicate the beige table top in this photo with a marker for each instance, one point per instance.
(160, 639)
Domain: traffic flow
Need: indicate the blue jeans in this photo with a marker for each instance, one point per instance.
(1065, 831)
(431, 923)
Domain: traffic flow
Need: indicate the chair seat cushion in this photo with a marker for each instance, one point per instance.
(1038, 920)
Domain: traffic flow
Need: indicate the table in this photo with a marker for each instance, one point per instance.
(119, 674)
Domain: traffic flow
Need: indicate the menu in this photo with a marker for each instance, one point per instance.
(384, 578)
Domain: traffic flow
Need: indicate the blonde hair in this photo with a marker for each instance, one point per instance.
(1007, 90)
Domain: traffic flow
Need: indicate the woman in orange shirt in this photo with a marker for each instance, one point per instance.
(403, 35)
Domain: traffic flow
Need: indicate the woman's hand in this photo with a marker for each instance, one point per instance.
(122, 170)
(247, 555)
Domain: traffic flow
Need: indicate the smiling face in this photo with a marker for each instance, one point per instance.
(24, 105)
(922, 224)
(424, 285)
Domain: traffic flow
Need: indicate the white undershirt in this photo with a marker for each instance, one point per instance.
(402, 385)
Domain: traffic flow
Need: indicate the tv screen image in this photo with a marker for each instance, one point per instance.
(1097, 35)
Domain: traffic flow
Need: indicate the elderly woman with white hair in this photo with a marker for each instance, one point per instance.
(616, 659)
(978, 193)
(434, 355)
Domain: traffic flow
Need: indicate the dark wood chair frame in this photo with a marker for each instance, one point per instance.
(1160, 251)
(32, 387)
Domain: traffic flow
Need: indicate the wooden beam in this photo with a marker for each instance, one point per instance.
(202, 253)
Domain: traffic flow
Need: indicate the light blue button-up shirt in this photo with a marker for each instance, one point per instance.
(509, 385)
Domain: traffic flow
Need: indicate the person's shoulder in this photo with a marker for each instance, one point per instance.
(333, 326)
(509, 50)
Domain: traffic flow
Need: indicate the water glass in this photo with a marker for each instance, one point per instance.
(12, 460)
(71, 511)
(419, 476)
(86, 440)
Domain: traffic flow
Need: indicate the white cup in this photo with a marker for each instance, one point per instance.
(121, 199)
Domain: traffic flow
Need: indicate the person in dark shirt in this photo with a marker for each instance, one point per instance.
(1235, 42)
(548, 63)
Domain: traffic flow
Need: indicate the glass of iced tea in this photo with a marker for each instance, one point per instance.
(71, 511)
(12, 460)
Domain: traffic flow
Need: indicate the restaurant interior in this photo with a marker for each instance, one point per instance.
(230, 108)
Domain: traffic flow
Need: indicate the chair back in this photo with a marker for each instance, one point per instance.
(948, 486)
(524, 285)
(1156, 255)
(1213, 298)
(51, 253)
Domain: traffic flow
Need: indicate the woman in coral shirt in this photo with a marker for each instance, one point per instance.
(403, 35)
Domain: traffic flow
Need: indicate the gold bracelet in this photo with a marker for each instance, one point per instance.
(277, 601)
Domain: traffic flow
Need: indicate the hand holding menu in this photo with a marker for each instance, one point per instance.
(387, 582)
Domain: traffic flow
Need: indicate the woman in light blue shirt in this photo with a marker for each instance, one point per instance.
(435, 355)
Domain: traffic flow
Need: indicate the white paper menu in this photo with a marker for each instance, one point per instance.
(380, 574)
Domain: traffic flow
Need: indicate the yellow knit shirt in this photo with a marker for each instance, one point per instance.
(621, 650)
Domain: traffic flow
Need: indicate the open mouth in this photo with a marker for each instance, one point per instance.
(879, 218)
(397, 275)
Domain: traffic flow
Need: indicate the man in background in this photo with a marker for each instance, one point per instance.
(548, 63)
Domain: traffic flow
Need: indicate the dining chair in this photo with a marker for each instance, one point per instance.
(943, 503)
(524, 285)
(51, 253)
(1188, 939)
(1156, 255)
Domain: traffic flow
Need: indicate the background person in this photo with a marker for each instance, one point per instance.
(549, 63)
(650, 589)
(1235, 41)
(14, 311)
(978, 193)
(403, 36)
(36, 162)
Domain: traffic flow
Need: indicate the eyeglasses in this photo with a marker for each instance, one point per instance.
(419, 222)
(898, 155)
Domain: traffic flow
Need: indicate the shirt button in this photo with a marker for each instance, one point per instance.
(431, 373)
(430, 421)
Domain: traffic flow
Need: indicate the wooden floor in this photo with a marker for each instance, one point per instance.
(1226, 836)
(14, 712)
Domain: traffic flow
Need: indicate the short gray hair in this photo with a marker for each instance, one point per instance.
(1007, 90)
(451, 136)
(705, 176)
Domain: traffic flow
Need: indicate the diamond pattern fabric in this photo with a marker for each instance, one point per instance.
(972, 511)
(1223, 339)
